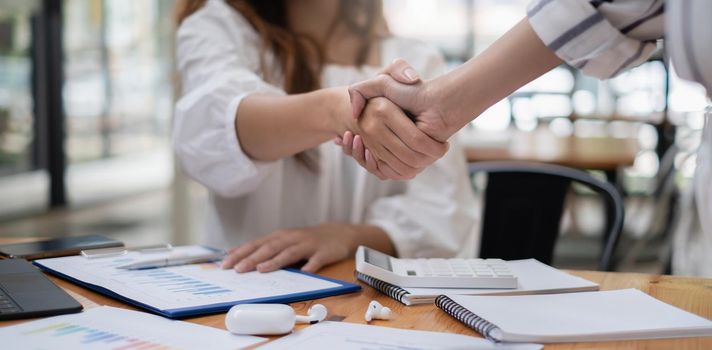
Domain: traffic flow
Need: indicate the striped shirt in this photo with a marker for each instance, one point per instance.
(605, 37)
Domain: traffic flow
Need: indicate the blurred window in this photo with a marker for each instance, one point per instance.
(16, 115)
(118, 87)
(117, 95)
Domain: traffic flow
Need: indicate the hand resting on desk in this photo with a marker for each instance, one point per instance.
(319, 245)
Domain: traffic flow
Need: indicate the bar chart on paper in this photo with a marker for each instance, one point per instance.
(177, 283)
(118, 329)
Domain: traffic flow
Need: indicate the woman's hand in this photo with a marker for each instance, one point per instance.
(388, 144)
(419, 141)
(400, 84)
(319, 245)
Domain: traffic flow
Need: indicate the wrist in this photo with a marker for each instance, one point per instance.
(448, 93)
(371, 236)
(338, 107)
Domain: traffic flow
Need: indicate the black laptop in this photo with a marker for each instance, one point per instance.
(26, 292)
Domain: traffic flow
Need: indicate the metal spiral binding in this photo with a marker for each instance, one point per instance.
(466, 316)
(386, 288)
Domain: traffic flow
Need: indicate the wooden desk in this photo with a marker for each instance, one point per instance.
(599, 153)
(692, 294)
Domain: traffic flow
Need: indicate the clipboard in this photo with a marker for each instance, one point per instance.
(71, 270)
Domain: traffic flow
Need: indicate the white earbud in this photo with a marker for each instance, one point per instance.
(316, 313)
(269, 319)
(376, 311)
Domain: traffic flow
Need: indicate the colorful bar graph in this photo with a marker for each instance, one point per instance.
(108, 328)
(89, 336)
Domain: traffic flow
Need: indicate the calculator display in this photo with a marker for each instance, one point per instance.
(377, 258)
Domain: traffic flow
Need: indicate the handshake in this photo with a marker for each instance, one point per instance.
(401, 123)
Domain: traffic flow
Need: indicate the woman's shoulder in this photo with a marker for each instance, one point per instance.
(217, 15)
(425, 58)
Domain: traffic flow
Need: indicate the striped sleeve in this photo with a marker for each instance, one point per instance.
(600, 37)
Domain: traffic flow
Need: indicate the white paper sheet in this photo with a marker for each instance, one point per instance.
(351, 336)
(183, 286)
(112, 328)
(588, 316)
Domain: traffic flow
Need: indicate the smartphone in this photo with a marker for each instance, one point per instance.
(57, 247)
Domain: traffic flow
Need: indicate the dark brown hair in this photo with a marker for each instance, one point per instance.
(300, 58)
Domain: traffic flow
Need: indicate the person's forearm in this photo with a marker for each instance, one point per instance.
(373, 237)
(515, 59)
(275, 127)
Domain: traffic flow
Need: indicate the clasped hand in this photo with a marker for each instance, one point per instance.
(400, 128)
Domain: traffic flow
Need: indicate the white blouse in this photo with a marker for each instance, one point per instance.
(434, 215)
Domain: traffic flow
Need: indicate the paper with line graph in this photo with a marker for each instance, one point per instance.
(112, 328)
(182, 287)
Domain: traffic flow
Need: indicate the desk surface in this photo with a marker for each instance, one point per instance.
(692, 294)
(601, 153)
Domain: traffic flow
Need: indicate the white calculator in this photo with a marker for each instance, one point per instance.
(436, 273)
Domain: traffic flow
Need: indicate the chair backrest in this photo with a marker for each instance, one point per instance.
(524, 204)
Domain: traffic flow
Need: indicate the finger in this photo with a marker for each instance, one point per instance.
(347, 142)
(387, 145)
(402, 71)
(338, 141)
(381, 169)
(372, 165)
(384, 153)
(358, 101)
(316, 261)
(361, 155)
(286, 257)
(389, 173)
(424, 149)
(357, 152)
(406, 155)
(265, 252)
(239, 253)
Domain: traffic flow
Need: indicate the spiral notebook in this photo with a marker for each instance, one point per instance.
(533, 277)
(625, 314)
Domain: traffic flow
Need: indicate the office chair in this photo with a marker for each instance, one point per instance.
(654, 214)
(523, 207)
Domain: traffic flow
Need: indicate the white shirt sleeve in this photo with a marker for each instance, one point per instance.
(437, 213)
(217, 56)
(602, 38)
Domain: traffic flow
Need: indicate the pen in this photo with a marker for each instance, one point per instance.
(109, 252)
(173, 261)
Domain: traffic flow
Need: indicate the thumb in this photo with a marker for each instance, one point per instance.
(359, 93)
(399, 71)
(402, 72)
(382, 85)
(358, 101)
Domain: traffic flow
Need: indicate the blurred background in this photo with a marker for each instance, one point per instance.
(87, 90)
